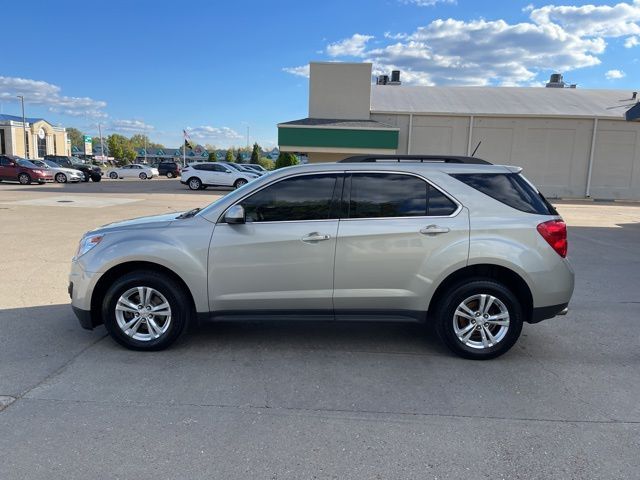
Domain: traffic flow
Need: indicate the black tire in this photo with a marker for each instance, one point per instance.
(113, 176)
(194, 183)
(181, 310)
(96, 177)
(239, 183)
(170, 175)
(448, 304)
(85, 177)
(143, 176)
(61, 178)
(24, 179)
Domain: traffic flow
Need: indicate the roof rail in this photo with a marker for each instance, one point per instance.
(415, 158)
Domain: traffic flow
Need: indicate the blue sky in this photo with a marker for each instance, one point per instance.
(218, 67)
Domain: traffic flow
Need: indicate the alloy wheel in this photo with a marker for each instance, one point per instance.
(143, 313)
(481, 321)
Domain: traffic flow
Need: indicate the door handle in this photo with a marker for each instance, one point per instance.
(433, 230)
(315, 237)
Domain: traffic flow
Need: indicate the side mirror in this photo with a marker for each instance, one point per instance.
(235, 215)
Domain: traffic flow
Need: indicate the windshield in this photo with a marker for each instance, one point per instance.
(26, 163)
(40, 164)
(52, 164)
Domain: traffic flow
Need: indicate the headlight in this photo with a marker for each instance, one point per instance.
(87, 243)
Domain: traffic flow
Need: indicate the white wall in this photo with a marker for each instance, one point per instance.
(340, 90)
(553, 152)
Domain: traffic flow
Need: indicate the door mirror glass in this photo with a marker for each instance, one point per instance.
(235, 215)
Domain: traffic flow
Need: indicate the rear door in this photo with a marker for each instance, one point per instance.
(398, 235)
(8, 169)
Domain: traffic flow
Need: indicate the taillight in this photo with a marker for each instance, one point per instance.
(555, 233)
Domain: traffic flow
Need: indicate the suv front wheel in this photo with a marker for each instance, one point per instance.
(479, 319)
(145, 310)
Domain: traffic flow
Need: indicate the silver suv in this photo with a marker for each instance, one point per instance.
(470, 247)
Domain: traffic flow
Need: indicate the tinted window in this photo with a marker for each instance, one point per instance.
(439, 204)
(509, 188)
(387, 195)
(218, 168)
(378, 195)
(300, 198)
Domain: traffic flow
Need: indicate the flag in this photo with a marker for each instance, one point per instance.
(187, 140)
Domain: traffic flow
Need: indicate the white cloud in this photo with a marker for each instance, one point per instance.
(614, 74)
(427, 3)
(211, 134)
(497, 52)
(38, 92)
(591, 20)
(353, 46)
(129, 126)
(301, 71)
(631, 42)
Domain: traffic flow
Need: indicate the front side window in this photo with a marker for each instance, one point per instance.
(306, 197)
(380, 195)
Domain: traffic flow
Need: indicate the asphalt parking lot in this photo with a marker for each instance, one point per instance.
(297, 401)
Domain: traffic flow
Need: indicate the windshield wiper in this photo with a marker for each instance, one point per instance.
(189, 213)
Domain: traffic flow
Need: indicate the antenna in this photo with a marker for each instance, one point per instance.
(476, 149)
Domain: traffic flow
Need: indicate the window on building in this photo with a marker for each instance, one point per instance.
(55, 144)
(2, 144)
(42, 146)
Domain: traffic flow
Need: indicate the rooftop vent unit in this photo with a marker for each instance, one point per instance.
(556, 81)
(384, 79)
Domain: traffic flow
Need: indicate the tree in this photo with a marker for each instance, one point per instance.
(229, 156)
(239, 157)
(120, 148)
(212, 156)
(255, 154)
(266, 163)
(75, 137)
(286, 159)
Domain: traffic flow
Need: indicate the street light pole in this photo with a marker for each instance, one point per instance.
(24, 128)
(101, 144)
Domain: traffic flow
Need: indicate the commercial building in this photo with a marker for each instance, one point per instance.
(42, 138)
(572, 142)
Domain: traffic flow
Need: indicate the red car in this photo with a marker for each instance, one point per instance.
(22, 170)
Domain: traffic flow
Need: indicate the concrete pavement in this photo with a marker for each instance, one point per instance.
(293, 401)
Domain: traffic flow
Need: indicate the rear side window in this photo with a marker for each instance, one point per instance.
(509, 188)
(380, 195)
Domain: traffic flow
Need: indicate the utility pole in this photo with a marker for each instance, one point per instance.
(101, 143)
(24, 129)
(247, 137)
(145, 146)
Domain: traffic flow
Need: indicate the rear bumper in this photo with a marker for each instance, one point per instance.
(543, 313)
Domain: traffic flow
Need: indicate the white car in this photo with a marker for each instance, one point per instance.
(134, 170)
(60, 174)
(213, 174)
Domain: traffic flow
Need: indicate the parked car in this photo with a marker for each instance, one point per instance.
(168, 169)
(61, 175)
(471, 247)
(259, 169)
(209, 174)
(21, 170)
(91, 172)
(241, 167)
(134, 170)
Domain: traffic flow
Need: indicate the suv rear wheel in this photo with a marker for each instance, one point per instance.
(170, 174)
(145, 310)
(479, 319)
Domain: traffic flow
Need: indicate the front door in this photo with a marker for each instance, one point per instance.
(399, 233)
(281, 259)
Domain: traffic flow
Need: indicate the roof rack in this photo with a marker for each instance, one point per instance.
(415, 158)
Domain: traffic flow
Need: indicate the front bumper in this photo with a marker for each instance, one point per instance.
(84, 317)
(81, 285)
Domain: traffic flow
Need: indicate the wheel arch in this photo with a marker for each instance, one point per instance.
(511, 279)
(107, 278)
